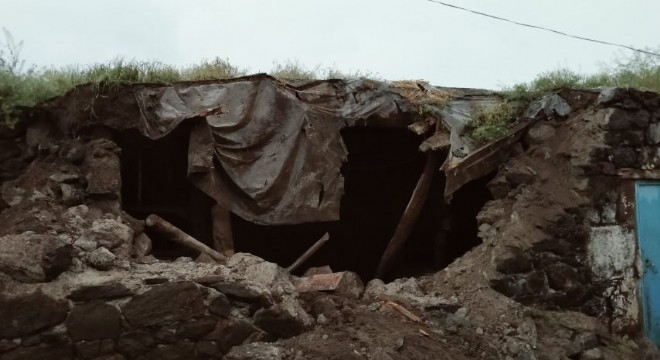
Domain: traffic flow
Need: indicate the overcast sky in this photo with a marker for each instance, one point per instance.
(395, 39)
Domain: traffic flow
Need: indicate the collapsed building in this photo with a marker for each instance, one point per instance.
(168, 221)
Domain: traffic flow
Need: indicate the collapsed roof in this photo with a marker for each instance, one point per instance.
(270, 151)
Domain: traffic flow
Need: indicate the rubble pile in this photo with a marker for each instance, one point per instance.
(555, 276)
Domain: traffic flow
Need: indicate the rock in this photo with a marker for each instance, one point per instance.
(26, 314)
(653, 134)
(73, 151)
(593, 354)
(499, 187)
(519, 175)
(283, 320)
(208, 349)
(68, 178)
(624, 157)
(243, 292)
(86, 244)
(95, 320)
(41, 352)
(94, 348)
(135, 343)
(101, 258)
(103, 168)
(110, 233)
(539, 133)
(179, 351)
(260, 272)
(111, 290)
(195, 329)
(220, 305)
(30, 257)
(232, 333)
(562, 276)
(142, 245)
(581, 343)
(6, 345)
(71, 195)
(164, 304)
(318, 270)
(255, 351)
(514, 264)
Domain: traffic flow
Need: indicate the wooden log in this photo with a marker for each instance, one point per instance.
(410, 215)
(177, 235)
(313, 249)
(223, 239)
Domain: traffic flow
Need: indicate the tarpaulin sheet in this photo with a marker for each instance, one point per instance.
(268, 151)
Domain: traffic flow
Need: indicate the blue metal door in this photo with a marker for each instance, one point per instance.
(648, 233)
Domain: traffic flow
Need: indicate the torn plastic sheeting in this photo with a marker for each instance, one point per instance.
(277, 148)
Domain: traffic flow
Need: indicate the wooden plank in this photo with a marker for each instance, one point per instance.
(313, 249)
(175, 234)
(223, 240)
(410, 215)
(639, 174)
(438, 141)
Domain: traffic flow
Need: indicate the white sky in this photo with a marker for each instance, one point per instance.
(395, 39)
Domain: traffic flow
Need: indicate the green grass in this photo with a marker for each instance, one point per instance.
(641, 71)
(489, 124)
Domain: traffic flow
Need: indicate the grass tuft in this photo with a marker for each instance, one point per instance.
(492, 123)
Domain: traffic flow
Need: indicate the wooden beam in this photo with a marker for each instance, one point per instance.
(223, 240)
(313, 249)
(410, 215)
(177, 235)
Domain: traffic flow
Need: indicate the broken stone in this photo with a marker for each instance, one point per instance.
(41, 352)
(581, 343)
(110, 233)
(85, 243)
(514, 264)
(234, 333)
(220, 305)
(71, 195)
(104, 291)
(135, 343)
(593, 354)
(26, 314)
(101, 258)
(539, 133)
(283, 320)
(95, 320)
(255, 351)
(164, 304)
(141, 245)
(103, 168)
(562, 276)
(94, 348)
(65, 178)
(260, 272)
(195, 329)
(243, 292)
(207, 349)
(30, 257)
(180, 350)
(624, 157)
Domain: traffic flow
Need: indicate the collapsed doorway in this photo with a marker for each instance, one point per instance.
(154, 181)
(383, 167)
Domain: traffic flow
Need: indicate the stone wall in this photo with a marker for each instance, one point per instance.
(201, 315)
(581, 254)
